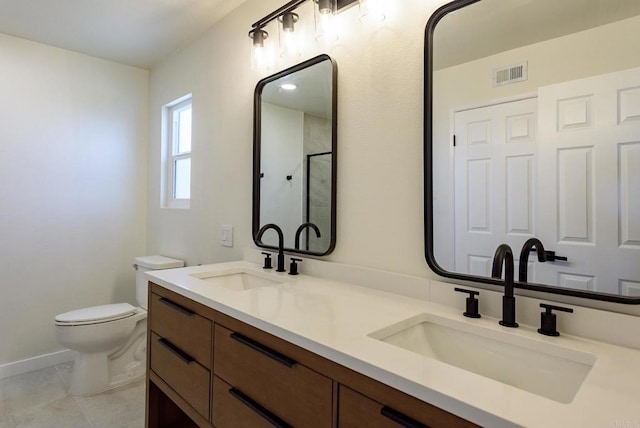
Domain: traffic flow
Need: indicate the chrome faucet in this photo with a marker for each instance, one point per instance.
(504, 256)
(524, 256)
(263, 229)
(301, 228)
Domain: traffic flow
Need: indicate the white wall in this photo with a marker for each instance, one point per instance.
(72, 205)
(213, 71)
(380, 107)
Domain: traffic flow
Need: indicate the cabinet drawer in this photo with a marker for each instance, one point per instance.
(298, 395)
(356, 410)
(183, 374)
(181, 326)
(234, 409)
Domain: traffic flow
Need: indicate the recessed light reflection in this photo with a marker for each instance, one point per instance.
(288, 86)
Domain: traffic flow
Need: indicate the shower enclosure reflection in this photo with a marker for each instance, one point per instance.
(294, 156)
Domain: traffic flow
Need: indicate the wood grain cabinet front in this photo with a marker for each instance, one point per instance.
(172, 319)
(232, 408)
(182, 373)
(286, 389)
(356, 410)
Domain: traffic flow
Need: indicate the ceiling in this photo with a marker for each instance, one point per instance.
(133, 32)
(313, 93)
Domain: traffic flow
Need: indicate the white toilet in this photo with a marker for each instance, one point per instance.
(110, 340)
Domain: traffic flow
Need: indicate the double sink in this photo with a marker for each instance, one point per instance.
(537, 366)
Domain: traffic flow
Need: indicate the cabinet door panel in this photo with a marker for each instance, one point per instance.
(298, 395)
(355, 411)
(189, 379)
(230, 411)
(182, 327)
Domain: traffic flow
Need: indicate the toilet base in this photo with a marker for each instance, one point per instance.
(91, 375)
(97, 372)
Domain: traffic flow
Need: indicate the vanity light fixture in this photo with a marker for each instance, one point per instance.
(259, 56)
(326, 7)
(288, 21)
(288, 86)
(289, 44)
(325, 21)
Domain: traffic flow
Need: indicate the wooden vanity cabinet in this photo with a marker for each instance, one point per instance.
(249, 378)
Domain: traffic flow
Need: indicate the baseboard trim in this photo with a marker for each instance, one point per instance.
(35, 363)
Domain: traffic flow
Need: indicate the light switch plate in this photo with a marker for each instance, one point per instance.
(226, 235)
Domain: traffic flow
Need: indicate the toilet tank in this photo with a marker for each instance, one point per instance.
(146, 263)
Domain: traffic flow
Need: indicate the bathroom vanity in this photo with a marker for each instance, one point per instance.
(232, 345)
(210, 369)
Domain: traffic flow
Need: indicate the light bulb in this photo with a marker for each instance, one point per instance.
(326, 26)
(289, 48)
(260, 54)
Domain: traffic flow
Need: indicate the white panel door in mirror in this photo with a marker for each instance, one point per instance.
(589, 174)
(494, 181)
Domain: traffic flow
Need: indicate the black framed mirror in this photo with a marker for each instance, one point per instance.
(532, 129)
(295, 154)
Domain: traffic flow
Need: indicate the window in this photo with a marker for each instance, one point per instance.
(178, 156)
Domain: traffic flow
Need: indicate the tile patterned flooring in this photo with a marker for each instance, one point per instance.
(39, 399)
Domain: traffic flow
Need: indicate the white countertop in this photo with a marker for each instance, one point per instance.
(333, 319)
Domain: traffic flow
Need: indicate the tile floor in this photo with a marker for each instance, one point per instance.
(39, 399)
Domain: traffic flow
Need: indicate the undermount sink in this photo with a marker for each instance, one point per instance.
(545, 369)
(238, 279)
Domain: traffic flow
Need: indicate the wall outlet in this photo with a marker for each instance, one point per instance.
(226, 235)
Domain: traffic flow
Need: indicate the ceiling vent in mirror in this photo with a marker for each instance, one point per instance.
(510, 74)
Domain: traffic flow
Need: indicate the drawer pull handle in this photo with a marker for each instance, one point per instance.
(270, 417)
(177, 307)
(400, 418)
(175, 351)
(263, 350)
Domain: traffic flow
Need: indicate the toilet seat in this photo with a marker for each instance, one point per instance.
(96, 314)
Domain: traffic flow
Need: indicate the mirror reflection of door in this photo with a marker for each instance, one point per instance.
(575, 184)
(510, 161)
(495, 155)
(590, 178)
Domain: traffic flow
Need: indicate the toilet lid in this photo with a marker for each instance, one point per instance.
(97, 314)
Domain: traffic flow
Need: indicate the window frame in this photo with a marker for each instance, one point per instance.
(172, 155)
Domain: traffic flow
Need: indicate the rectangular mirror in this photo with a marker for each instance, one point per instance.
(532, 129)
(295, 141)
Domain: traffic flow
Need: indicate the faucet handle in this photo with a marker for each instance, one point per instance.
(552, 257)
(293, 267)
(472, 303)
(267, 261)
(548, 319)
